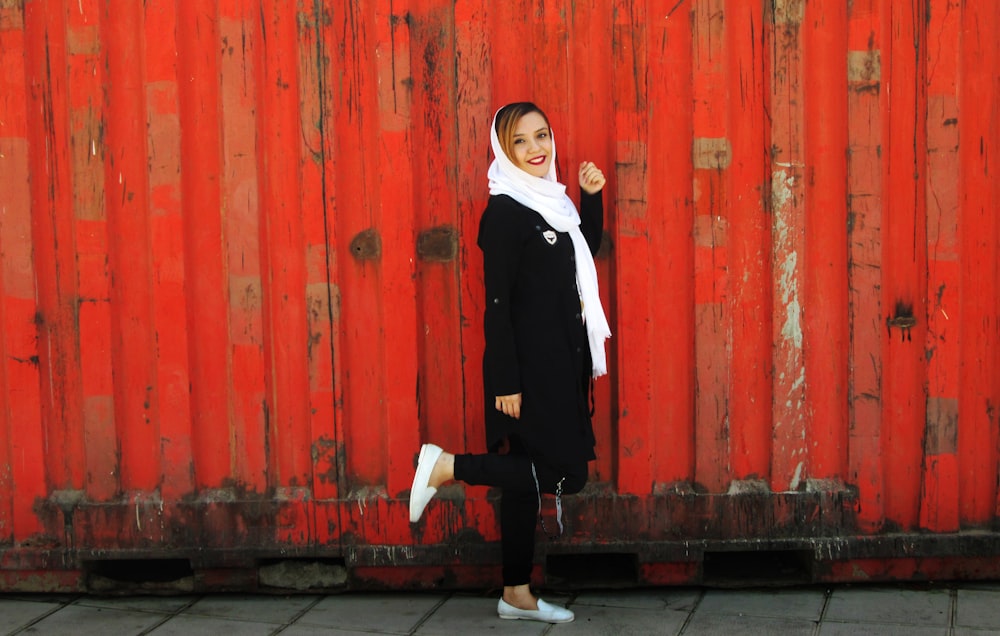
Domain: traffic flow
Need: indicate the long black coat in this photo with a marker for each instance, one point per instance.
(536, 342)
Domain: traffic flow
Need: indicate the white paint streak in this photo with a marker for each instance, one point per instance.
(796, 478)
(782, 185)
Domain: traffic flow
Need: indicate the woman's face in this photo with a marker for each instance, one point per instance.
(532, 145)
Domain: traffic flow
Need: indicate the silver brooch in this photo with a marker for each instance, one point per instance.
(550, 237)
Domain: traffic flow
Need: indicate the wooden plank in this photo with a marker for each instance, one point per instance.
(86, 76)
(631, 321)
(590, 137)
(979, 247)
(55, 267)
(672, 280)
(864, 203)
(749, 240)
(939, 482)
(394, 208)
(712, 293)
(316, 121)
(354, 162)
(23, 475)
(127, 181)
(825, 333)
(206, 285)
(247, 443)
(474, 114)
(282, 240)
(788, 178)
(435, 204)
(904, 260)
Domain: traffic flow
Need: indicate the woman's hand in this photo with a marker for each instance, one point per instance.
(591, 178)
(510, 405)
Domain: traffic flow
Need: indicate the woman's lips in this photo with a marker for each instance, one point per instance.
(537, 161)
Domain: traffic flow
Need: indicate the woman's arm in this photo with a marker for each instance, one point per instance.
(592, 204)
(501, 246)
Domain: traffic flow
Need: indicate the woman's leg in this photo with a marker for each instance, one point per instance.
(521, 480)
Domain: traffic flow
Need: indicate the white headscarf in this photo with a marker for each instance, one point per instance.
(547, 197)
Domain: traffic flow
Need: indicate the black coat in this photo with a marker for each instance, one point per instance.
(536, 342)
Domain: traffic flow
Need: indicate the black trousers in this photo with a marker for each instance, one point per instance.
(519, 500)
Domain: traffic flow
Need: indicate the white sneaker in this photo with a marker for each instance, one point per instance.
(421, 492)
(545, 613)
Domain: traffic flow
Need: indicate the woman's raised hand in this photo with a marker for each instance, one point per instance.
(591, 178)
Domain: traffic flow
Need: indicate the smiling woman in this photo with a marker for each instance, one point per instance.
(545, 331)
(532, 146)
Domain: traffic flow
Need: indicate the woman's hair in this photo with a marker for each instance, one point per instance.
(507, 119)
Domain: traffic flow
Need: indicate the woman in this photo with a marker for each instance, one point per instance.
(545, 331)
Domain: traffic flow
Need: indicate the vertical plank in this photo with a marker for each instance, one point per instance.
(825, 335)
(631, 323)
(23, 474)
(168, 249)
(240, 200)
(904, 260)
(864, 200)
(474, 113)
(283, 261)
(672, 275)
(53, 242)
(509, 73)
(201, 206)
(939, 481)
(979, 246)
(713, 319)
(436, 210)
(748, 240)
(318, 205)
(130, 260)
(86, 70)
(590, 47)
(396, 221)
(355, 167)
(791, 409)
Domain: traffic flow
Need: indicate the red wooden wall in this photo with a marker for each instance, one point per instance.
(240, 283)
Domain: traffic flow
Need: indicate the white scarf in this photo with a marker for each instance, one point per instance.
(548, 198)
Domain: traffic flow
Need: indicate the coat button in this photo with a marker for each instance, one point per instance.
(496, 301)
(578, 316)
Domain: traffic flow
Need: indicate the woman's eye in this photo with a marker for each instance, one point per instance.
(518, 141)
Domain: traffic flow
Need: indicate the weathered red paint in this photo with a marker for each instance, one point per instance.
(239, 282)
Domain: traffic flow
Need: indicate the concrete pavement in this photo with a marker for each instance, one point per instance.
(961, 609)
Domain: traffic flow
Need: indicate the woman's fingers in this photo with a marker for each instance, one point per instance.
(591, 177)
(509, 405)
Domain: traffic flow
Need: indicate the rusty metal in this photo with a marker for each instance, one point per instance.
(239, 286)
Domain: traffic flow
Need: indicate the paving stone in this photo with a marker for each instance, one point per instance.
(260, 609)
(210, 626)
(388, 613)
(714, 624)
(978, 608)
(794, 603)
(161, 604)
(663, 598)
(81, 620)
(893, 606)
(594, 620)
(869, 629)
(971, 631)
(462, 615)
(16, 613)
